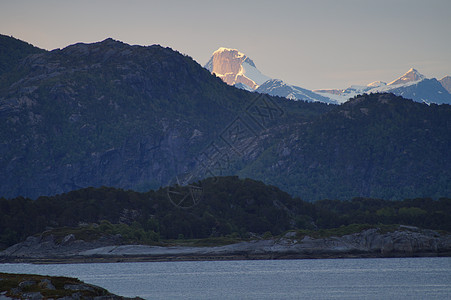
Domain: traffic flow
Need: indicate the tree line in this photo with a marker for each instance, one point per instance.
(227, 207)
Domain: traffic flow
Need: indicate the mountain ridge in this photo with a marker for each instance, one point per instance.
(111, 114)
(230, 65)
(410, 76)
(364, 147)
(12, 51)
(108, 113)
(277, 87)
(412, 85)
(233, 68)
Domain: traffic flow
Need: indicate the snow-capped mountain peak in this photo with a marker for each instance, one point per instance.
(412, 85)
(277, 87)
(224, 49)
(234, 67)
(410, 76)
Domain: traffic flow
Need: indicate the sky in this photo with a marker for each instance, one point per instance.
(315, 44)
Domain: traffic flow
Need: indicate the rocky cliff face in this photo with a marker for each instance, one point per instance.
(233, 67)
(236, 69)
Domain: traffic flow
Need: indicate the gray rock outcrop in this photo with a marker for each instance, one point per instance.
(372, 242)
(20, 286)
(48, 246)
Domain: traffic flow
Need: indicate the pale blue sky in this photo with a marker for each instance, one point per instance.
(314, 44)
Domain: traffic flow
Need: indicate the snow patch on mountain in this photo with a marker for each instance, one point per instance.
(238, 70)
(277, 87)
(253, 73)
(412, 85)
(243, 87)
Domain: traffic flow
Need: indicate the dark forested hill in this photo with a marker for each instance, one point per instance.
(225, 206)
(134, 117)
(13, 51)
(113, 114)
(377, 145)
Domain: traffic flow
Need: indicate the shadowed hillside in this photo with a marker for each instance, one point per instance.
(134, 117)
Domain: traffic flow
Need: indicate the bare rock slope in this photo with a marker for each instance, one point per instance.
(406, 241)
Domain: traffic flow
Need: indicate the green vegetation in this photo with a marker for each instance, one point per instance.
(230, 210)
(204, 242)
(130, 234)
(375, 146)
(344, 230)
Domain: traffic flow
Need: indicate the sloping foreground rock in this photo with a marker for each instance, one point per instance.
(49, 246)
(370, 242)
(26, 286)
(407, 241)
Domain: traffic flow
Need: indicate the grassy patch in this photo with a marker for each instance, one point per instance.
(207, 242)
(133, 234)
(344, 230)
(88, 233)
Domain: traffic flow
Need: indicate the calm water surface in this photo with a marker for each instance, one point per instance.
(392, 278)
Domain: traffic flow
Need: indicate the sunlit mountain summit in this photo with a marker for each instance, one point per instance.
(234, 67)
(237, 69)
(410, 76)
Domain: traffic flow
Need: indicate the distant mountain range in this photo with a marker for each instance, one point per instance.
(235, 68)
(135, 117)
(411, 85)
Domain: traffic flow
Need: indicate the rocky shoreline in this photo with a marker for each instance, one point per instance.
(405, 242)
(28, 286)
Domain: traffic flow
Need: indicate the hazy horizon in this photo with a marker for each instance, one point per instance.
(315, 45)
